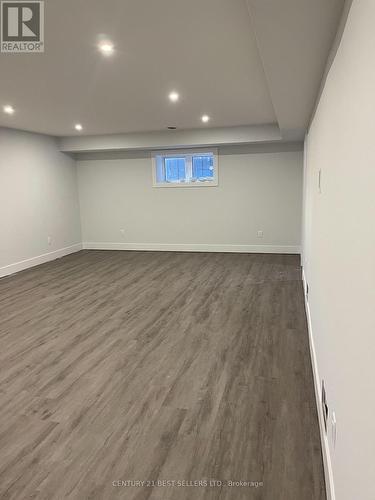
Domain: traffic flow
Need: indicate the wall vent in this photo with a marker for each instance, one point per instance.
(324, 406)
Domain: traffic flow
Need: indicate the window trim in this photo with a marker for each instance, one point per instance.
(181, 153)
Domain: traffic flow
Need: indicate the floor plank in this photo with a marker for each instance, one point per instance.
(152, 366)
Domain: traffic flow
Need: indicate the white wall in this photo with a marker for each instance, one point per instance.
(38, 198)
(339, 251)
(255, 192)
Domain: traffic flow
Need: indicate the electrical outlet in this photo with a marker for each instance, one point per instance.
(122, 232)
(49, 240)
(260, 234)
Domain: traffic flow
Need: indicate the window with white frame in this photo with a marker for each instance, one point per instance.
(188, 168)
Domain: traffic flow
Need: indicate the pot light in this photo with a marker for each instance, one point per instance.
(106, 47)
(205, 118)
(78, 127)
(174, 96)
(8, 109)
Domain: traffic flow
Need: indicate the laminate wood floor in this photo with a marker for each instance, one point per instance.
(147, 366)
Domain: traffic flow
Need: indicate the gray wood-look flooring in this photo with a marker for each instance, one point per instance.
(147, 366)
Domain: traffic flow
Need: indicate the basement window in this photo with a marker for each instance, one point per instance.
(189, 168)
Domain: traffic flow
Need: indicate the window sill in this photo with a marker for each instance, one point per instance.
(186, 184)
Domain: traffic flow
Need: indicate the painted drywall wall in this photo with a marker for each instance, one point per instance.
(39, 199)
(256, 192)
(339, 251)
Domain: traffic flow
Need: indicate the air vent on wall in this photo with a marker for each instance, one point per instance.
(324, 405)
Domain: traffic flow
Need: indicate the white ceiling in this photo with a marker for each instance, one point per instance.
(202, 48)
(294, 38)
(243, 62)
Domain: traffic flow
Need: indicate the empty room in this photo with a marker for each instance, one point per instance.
(187, 249)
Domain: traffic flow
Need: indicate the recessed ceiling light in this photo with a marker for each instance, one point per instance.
(78, 127)
(205, 118)
(8, 109)
(174, 96)
(106, 47)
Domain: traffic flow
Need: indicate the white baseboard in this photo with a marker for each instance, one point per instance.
(39, 259)
(328, 473)
(181, 247)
